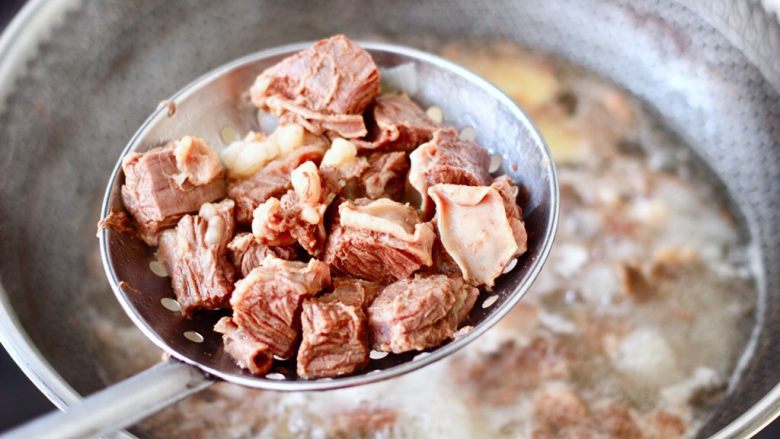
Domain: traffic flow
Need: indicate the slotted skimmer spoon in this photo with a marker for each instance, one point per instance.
(215, 108)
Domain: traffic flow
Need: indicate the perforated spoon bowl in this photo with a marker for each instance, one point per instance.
(215, 107)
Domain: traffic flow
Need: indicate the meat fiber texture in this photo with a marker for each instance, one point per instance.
(380, 240)
(335, 334)
(195, 256)
(164, 183)
(418, 313)
(399, 124)
(266, 303)
(323, 88)
(447, 159)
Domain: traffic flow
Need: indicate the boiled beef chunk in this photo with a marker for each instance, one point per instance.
(418, 313)
(266, 303)
(447, 159)
(380, 240)
(247, 351)
(300, 214)
(334, 331)
(386, 175)
(164, 183)
(399, 124)
(246, 253)
(508, 191)
(195, 256)
(271, 181)
(324, 88)
(475, 229)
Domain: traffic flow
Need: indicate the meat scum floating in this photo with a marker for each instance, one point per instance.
(357, 233)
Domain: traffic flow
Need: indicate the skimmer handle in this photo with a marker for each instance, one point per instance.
(118, 406)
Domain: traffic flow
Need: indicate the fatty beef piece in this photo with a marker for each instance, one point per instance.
(378, 175)
(259, 166)
(164, 183)
(299, 216)
(378, 240)
(195, 255)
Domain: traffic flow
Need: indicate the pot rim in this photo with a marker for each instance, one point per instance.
(17, 44)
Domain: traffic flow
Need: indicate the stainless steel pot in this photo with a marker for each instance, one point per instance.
(77, 79)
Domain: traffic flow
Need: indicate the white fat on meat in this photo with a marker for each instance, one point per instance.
(394, 219)
(474, 229)
(196, 161)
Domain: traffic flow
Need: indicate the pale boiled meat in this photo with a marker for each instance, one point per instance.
(196, 161)
(447, 159)
(246, 252)
(334, 330)
(195, 256)
(420, 312)
(399, 124)
(247, 351)
(271, 181)
(157, 193)
(325, 87)
(475, 230)
(266, 303)
(300, 214)
(385, 176)
(380, 240)
(508, 191)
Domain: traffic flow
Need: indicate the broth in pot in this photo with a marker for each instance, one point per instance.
(633, 330)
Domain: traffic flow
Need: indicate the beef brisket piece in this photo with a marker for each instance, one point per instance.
(324, 88)
(246, 253)
(380, 240)
(266, 303)
(334, 331)
(271, 181)
(195, 256)
(447, 159)
(418, 313)
(475, 229)
(386, 175)
(300, 214)
(248, 352)
(164, 183)
(399, 124)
